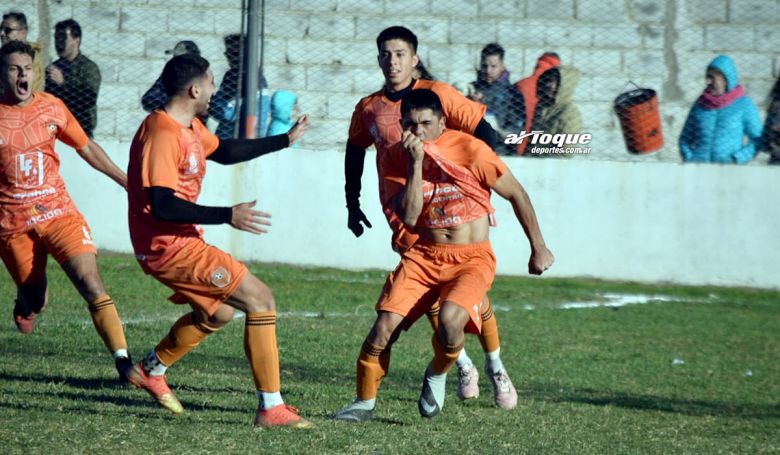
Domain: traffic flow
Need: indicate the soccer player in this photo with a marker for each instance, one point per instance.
(377, 121)
(167, 165)
(437, 182)
(37, 215)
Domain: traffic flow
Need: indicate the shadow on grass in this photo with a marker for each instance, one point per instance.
(96, 384)
(691, 407)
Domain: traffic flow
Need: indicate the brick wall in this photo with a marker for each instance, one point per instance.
(324, 50)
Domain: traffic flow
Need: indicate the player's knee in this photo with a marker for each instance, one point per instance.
(93, 287)
(261, 299)
(222, 316)
(452, 321)
(384, 333)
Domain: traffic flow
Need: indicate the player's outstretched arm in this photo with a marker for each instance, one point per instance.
(93, 154)
(510, 189)
(353, 172)
(166, 206)
(232, 151)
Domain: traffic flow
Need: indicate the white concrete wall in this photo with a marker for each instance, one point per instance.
(692, 224)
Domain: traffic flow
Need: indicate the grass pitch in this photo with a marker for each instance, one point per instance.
(694, 370)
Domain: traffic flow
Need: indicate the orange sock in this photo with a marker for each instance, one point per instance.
(433, 316)
(261, 350)
(444, 357)
(488, 338)
(107, 323)
(372, 365)
(185, 334)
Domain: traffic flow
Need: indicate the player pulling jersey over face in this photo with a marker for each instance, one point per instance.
(451, 258)
(377, 121)
(37, 215)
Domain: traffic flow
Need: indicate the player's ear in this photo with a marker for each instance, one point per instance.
(415, 60)
(193, 91)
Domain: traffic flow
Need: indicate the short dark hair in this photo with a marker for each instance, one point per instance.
(181, 70)
(492, 49)
(397, 32)
(69, 24)
(421, 99)
(18, 16)
(14, 47)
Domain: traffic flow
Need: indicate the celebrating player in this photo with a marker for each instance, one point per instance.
(437, 183)
(166, 169)
(376, 121)
(37, 215)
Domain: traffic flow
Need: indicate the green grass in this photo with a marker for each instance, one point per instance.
(597, 380)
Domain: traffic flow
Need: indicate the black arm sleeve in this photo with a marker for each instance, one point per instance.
(353, 172)
(167, 207)
(486, 133)
(231, 151)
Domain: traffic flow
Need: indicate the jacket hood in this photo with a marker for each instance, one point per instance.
(545, 62)
(282, 103)
(726, 66)
(570, 77)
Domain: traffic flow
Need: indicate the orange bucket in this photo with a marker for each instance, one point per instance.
(640, 120)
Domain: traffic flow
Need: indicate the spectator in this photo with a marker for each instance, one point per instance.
(226, 105)
(719, 120)
(283, 112)
(14, 28)
(556, 112)
(527, 88)
(73, 77)
(770, 142)
(156, 97)
(503, 101)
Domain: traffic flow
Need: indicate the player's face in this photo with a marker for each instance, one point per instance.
(18, 78)
(397, 60)
(11, 30)
(716, 82)
(206, 90)
(493, 67)
(423, 123)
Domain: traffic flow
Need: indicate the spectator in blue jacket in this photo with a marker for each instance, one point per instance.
(283, 113)
(716, 127)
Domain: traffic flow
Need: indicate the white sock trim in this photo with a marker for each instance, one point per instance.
(269, 400)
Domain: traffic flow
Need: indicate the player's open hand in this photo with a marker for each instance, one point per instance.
(354, 220)
(298, 129)
(413, 146)
(541, 260)
(246, 219)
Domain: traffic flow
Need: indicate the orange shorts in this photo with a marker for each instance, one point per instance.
(461, 274)
(202, 275)
(25, 253)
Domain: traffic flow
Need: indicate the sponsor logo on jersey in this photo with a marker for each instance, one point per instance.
(35, 194)
(45, 216)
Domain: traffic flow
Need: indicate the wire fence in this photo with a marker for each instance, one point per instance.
(597, 79)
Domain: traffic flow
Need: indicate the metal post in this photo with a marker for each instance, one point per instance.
(250, 87)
